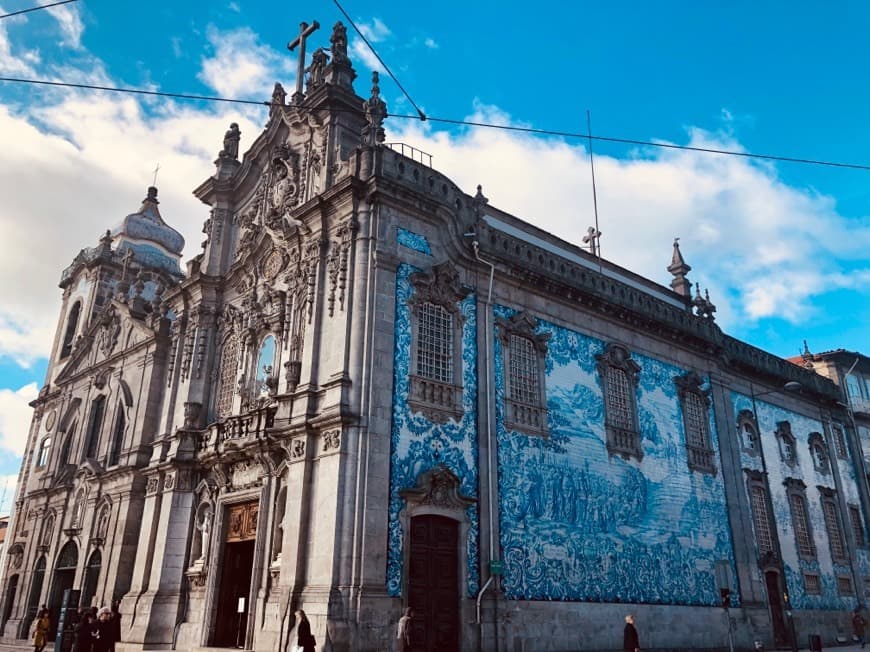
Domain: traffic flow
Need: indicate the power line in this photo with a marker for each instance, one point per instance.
(420, 113)
(452, 121)
(26, 11)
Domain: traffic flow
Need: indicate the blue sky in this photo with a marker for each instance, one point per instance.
(782, 247)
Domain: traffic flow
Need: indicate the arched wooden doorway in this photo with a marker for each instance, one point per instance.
(92, 576)
(11, 591)
(64, 578)
(433, 583)
(33, 596)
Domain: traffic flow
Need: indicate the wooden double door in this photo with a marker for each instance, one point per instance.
(433, 584)
(237, 565)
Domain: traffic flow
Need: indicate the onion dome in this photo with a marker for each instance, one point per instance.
(153, 242)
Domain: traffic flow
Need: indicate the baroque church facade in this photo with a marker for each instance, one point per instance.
(374, 390)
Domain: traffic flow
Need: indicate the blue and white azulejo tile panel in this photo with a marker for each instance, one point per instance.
(413, 241)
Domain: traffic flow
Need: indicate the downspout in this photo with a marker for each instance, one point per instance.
(489, 440)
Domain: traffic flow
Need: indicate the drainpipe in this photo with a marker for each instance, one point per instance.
(489, 438)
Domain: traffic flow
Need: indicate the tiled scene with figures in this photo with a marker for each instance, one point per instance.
(374, 392)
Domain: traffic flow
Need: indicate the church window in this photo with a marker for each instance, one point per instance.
(797, 501)
(857, 525)
(819, 453)
(831, 513)
(435, 343)
(44, 448)
(67, 445)
(812, 584)
(760, 517)
(98, 407)
(524, 352)
(844, 585)
(117, 436)
(787, 443)
(695, 403)
(435, 387)
(839, 438)
(72, 322)
(748, 432)
(227, 382)
(619, 379)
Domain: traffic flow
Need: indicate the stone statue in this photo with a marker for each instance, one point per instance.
(376, 111)
(339, 43)
(231, 143)
(319, 61)
(203, 524)
(279, 99)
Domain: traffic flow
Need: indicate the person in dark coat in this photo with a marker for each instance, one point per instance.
(629, 636)
(103, 631)
(82, 633)
(116, 625)
(858, 624)
(304, 639)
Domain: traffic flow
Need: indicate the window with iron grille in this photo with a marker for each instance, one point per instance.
(844, 585)
(761, 519)
(435, 343)
(832, 525)
(800, 523)
(524, 370)
(227, 382)
(839, 441)
(812, 584)
(787, 443)
(694, 401)
(748, 433)
(524, 352)
(619, 376)
(857, 525)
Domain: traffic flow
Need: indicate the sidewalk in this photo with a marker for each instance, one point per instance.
(25, 645)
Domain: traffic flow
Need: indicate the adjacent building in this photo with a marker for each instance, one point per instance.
(372, 389)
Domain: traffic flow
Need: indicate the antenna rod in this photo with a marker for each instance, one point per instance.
(596, 248)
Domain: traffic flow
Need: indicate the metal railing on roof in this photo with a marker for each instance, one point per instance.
(412, 153)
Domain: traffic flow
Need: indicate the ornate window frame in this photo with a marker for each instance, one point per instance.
(695, 407)
(812, 583)
(747, 431)
(621, 440)
(833, 525)
(762, 523)
(819, 453)
(44, 452)
(436, 400)
(787, 443)
(72, 324)
(796, 492)
(838, 435)
(522, 415)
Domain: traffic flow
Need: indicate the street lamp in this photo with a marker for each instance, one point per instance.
(790, 386)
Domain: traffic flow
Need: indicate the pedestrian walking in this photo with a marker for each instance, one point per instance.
(82, 641)
(403, 632)
(858, 625)
(103, 631)
(40, 631)
(304, 640)
(629, 636)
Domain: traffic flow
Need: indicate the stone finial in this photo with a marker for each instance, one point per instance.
(709, 308)
(105, 248)
(479, 202)
(152, 195)
(338, 40)
(698, 300)
(678, 267)
(340, 72)
(593, 239)
(279, 99)
(807, 356)
(317, 70)
(231, 143)
(376, 111)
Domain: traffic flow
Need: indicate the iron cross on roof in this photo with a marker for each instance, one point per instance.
(305, 30)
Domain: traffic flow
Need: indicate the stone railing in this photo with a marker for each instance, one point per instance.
(701, 459)
(238, 429)
(437, 401)
(531, 419)
(623, 442)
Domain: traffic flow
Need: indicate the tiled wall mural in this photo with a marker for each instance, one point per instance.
(801, 427)
(414, 241)
(418, 445)
(576, 524)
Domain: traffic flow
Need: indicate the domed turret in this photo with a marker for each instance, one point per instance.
(152, 241)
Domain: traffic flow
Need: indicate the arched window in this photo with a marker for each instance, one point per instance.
(98, 408)
(92, 575)
(695, 401)
(748, 433)
(44, 449)
(69, 336)
(819, 453)
(524, 352)
(67, 445)
(117, 436)
(227, 382)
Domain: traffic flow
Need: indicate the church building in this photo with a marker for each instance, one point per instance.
(373, 390)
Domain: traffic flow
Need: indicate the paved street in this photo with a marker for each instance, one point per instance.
(24, 646)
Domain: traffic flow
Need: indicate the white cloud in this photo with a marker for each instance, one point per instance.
(11, 62)
(234, 6)
(7, 493)
(70, 22)
(430, 43)
(765, 249)
(15, 417)
(376, 32)
(242, 67)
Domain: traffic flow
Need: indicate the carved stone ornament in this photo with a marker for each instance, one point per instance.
(152, 486)
(273, 264)
(440, 285)
(297, 449)
(192, 412)
(331, 440)
(110, 330)
(169, 482)
(50, 420)
(16, 556)
(438, 487)
(246, 474)
(197, 575)
(101, 378)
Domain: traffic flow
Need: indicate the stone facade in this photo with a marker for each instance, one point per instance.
(372, 388)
